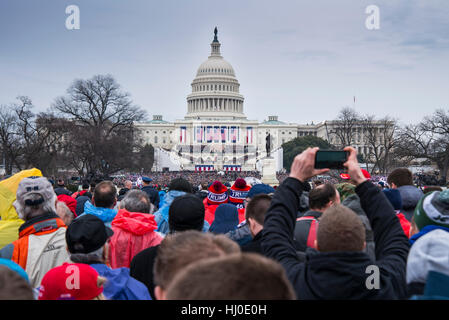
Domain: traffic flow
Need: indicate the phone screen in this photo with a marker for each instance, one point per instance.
(330, 159)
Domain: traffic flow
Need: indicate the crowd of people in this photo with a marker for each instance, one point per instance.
(207, 236)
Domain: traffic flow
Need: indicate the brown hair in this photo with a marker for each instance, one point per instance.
(105, 194)
(340, 229)
(182, 248)
(13, 286)
(322, 195)
(258, 207)
(246, 276)
(432, 189)
(400, 177)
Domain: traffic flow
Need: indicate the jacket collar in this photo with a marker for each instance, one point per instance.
(42, 223)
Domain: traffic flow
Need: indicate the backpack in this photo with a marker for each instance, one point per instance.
(313, 227)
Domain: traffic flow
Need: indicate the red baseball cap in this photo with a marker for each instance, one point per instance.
(71, 281)
(345, 176)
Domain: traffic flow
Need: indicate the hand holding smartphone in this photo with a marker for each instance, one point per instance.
(331, 159)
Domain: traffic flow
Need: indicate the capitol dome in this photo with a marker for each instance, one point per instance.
(215, 89)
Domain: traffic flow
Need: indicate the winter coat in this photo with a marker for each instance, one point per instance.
(161, 215)
(120, 285)
(338, 275)
(41, 246)
(133, 232)
(410, 196)
(80, 202)
(241, 235)
(353, 203)
(153, 194)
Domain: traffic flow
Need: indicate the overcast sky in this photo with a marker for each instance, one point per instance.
(300, 60)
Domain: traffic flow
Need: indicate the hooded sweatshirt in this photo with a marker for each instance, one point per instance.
(410, 196)
(161, 216)
(338, 275)
(133, 232)
(120, 285)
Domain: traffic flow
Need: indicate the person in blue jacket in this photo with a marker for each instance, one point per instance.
(86, 239)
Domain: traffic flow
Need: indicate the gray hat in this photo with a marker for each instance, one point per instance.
(34, 185)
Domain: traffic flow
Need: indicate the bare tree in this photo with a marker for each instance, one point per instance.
(100, 141)
(381, 137)
(429, 139)
(9, 139)
(344, 127)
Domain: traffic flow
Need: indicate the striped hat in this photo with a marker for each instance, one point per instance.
(217, 193)
(239, 191)
(433, 209)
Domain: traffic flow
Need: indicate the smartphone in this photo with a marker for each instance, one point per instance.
(332, 159)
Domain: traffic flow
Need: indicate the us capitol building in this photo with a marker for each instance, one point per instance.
(215, 134)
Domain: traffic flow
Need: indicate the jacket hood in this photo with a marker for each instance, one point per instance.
(105, 214)
(134, 222)
(117, 280)
(344, 272)
(226, 218)
(410, 196)
(429, 253)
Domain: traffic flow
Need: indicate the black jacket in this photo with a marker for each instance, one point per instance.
(338, 275)
(153, 194)
(254, 245)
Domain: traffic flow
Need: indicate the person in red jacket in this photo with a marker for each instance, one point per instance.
(134, 229)
(216, 195)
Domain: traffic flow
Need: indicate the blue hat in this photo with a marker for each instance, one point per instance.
(14, 267)
(395, 198)
(260, 188)
(146, 179)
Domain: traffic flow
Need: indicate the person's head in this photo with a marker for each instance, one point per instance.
(105, 195)
(255, 212)
(340, 230)
(146, 181)
(256, 189)
(186, 213)
(137, 201)
(92, 186)
(394, 196)
(13, 286)
(64, 212)
(72, 281)
(35, 196)
(246, 276)
(323, 196)
(180, 184)
(85, 186)
(128, 184)
(60, 183)
(87, 238)
(400, 177)
(430, 252)
(432, 209)
(217, 193)
(226, 218)
(179, 250)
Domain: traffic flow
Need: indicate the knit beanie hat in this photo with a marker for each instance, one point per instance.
(433, 209)
(217, 193)
(259, 189)
(186, 213)
(239, 191)
(394, 196)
